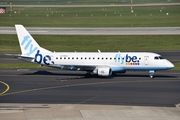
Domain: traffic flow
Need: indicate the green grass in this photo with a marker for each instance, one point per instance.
(86, 43)
(177, 67)
(20, 65)
(176, 64)
(64, 2)
(93, 17)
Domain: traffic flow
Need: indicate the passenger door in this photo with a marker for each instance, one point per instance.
(146, 60)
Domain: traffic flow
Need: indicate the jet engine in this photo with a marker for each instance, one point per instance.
(103, 71)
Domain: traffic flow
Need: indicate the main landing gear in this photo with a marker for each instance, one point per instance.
(151, 74)
(88, 75)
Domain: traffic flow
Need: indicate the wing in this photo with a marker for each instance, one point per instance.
(75, 67)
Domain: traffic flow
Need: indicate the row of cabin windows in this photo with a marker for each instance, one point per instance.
(86, 58)
(156, 58)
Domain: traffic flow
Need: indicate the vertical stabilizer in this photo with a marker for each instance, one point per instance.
(28, 45)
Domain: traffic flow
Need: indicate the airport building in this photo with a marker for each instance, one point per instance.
(2, 10)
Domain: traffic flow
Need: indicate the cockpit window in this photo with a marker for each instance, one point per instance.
(158, 57)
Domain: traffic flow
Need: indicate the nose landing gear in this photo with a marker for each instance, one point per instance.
(151, 74)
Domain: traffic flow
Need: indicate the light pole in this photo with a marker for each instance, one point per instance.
(132, 6)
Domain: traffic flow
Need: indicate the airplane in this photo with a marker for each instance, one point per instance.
(98, 63)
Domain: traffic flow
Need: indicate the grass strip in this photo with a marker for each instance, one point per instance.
(91, 43)
(148, 16)
(20, 65)
(83, 2)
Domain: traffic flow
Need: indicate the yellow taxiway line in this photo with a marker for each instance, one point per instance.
(7, 88)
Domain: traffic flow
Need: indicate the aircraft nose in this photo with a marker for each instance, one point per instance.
(169, 65)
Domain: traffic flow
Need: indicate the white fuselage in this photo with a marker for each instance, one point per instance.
(117, 61)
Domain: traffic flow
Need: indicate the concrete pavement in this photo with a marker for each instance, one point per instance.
(86, 112)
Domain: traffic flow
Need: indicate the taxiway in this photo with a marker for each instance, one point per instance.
(66, 87)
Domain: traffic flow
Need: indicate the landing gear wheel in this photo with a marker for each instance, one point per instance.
(151, 74)
(88, 75)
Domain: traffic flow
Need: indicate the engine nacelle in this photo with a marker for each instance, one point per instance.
(104, 71)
